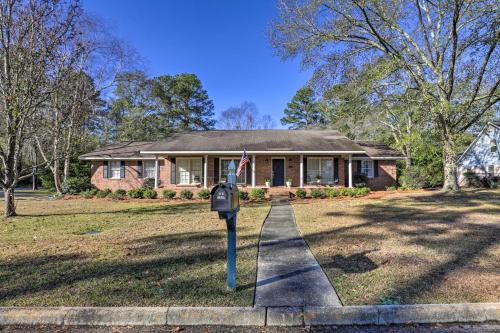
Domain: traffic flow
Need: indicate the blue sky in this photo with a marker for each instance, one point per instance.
(223, 42)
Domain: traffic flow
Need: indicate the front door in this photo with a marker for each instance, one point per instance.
(278, 178)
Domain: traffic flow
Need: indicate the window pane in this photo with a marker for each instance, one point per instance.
(183, 171)
(367, 168)
(149, 169)
(312, 169)
(196, 169)
(225, 170)
(327, 170)
(115, 169)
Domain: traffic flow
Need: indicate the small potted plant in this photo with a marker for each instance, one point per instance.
(318, 179)
(289, 182)
(268, 182)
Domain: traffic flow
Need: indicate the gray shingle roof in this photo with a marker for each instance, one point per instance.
(375, 149)
(125, 149)
(256, 141)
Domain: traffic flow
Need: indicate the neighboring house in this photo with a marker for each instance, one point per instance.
(200, 159)
(482, 157)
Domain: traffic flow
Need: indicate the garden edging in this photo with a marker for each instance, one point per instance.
(252, 316)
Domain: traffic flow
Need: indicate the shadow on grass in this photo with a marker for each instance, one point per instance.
(157, 270)
(434, 221)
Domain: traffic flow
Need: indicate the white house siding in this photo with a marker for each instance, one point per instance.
(479, 156)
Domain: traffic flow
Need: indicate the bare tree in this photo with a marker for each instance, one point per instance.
(244, 117)
(448, 48)
(32, 37)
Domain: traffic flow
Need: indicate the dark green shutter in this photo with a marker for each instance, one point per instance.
(105, 169)
(336, 169)
(216, 170)
(249, 172)
(122, 169)
(359, 168)
(305, 170)
(139, 169)
(375, 168)
(172, 171)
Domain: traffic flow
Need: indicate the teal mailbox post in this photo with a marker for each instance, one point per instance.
(225, 200)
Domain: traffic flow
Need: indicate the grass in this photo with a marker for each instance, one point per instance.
(100, 252)
(408, 248)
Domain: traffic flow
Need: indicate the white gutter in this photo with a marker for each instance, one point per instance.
(90, 158)
(262, 152)
(377, 158)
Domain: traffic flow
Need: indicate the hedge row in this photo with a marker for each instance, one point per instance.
(331, 192)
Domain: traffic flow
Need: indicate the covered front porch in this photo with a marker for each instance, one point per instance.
(263, 171)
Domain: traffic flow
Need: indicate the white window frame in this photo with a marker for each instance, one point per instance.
(319, 166)
(236, 162)
(115, 166)
(153, 166)
(177, 173)
(369, 168)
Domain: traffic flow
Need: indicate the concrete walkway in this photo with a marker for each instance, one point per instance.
(287, 272)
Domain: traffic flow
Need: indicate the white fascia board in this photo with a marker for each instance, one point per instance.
(265, 152)
(115, 158)
(377, 158)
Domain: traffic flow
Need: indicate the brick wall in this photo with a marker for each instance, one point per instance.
(130, 181)
(386, 174)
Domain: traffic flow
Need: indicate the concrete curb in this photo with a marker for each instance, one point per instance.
(252, 316)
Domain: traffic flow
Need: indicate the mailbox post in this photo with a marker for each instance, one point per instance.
(225, 200)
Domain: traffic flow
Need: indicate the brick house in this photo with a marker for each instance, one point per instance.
(200, 159)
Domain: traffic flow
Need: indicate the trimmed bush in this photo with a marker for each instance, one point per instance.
(186, 194)
(89, 194)
(257, 194)
(136, 193)
(391, 188)
(118, 195)
(148, 193)
(75, 185)
(148, 183)
(301, 193)
(243, 195)
(332, 192)
(317, 193)
(169, 194)
(104, 193)
(121, 192)
(204, 194)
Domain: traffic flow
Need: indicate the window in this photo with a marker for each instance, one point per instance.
(189, 171)
(491, 170)
(493, 146)
(320, 169)
(148, 169)
(224, 169)
(114, 169)
(367, 168)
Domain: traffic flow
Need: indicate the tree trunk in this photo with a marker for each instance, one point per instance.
(57, 177)
(450, 165)
(10, 204)
(66, 168)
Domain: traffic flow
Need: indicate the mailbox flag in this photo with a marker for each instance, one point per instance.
(244, 160)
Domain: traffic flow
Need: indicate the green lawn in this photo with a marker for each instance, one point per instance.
(423, 247)
(99, 252)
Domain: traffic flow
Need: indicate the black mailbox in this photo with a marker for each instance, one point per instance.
(225, 198)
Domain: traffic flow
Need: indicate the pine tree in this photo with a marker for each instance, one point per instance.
(303, 111)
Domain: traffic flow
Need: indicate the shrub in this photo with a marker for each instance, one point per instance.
(257, 194)
(149, 193)
(360, 180)
(136, 193)
(88, 194)
(118, 195)
(204, 194)
(414, 177)
(169, 194)
(361, 191)
(103, 193)
(332, 192)
(243, 195)
(186, 194)
(391, 188)
(301, 193)
(317, 193)
(149, 183)
(74, 185)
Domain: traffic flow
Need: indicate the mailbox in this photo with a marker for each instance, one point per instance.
(225, 198)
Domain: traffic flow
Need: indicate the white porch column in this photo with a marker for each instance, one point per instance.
(157, 171)
(350, 170)
(301, 171)
(205, 171)
(253, 170)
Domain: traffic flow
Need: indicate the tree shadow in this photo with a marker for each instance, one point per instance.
(455, 226)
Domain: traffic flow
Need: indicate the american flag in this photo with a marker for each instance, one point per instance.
(244, 160)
